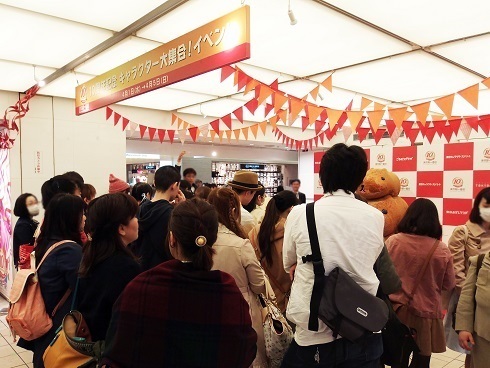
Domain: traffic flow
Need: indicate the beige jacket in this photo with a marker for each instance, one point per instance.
(469, 318)
(463, 246)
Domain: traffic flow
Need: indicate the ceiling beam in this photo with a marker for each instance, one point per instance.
(130, 30)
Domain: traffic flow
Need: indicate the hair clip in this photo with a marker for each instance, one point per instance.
(201, 241)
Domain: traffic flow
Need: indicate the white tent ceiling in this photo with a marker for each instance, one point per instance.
(392, 52)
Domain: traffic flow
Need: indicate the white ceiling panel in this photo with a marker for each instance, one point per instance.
(65, 85)
(421, 21)
(166, 99)
(43, 40)
(407, 77)
(473, 53)
(20, 77)
(118, 54)
(110, 14)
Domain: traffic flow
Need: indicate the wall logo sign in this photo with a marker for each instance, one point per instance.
(83, 94)
(458, 182)
(381, 157)
(404, 182)
(430, 156)
(486, 153)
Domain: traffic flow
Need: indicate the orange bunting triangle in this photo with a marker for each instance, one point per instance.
(295, 107)
(313, 113)
(279, 101)
(354, 118)
(273, 122)
(365, 102)
(378, 106)
(254, 128)
(314, 92)
(398, 115)
(446, 104)
(228, 135)
(236, 133)
(486, 82)
(265, 92)
(421, 111)
(375, 119)
(333, 116)
(220, 134)
(327, 83)
(283, 115)
(263, 126)
(250, 86)
(213, 134)
(470, 94)
(174, 119)
(179, 122)
(245, 133)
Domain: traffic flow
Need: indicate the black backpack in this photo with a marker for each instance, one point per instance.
(345, 307)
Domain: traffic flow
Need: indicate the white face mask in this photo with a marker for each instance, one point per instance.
(33, 210)
(485, 213)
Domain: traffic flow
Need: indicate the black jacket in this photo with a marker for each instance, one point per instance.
(153, 227)
(23, 234)
(302, 198)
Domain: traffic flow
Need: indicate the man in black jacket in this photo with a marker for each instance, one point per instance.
(154, 218)
(295, 184)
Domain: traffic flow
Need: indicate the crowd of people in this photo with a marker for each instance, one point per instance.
(170, 275)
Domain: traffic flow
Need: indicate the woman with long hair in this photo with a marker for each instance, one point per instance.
(468, 240)
(425, 267)
(267, 240)
(235, 255)
(63, 221)
(107, 265)
(180, 313)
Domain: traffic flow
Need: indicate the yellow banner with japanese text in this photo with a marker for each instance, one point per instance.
(223, 41)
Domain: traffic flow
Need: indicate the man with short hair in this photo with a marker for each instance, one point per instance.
(295, 184)
(350, 234)
(154, 218)
(245, 183)
(190, 176)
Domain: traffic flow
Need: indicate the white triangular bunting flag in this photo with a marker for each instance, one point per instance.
(465, 128)
(132, 128)
(396, 134)
(182, 135)
(347, 131)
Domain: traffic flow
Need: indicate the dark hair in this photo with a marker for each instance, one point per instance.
(104, 216)
(224, 201)
(253, 203)
(343, 167)
(475, 211)
(421, 218)
(57, 184)
(62, 219)
(88, 191)
(20, 208)
(75, 177)
(280, 188)
(203, 192)
(189, 170)
(189, 220)
(165, 177)
(277, 205)
(210, 185)
(140, 189)
(294, 181)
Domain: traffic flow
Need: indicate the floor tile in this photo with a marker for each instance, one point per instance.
(6, 350)
(11, 361)
(26, 356)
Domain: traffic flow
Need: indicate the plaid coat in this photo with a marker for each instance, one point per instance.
(176, 316)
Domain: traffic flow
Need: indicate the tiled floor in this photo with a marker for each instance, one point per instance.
(13, 356)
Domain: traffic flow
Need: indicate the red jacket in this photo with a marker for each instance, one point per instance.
(408, 253)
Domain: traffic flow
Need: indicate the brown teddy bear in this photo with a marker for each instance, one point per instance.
(380, 189)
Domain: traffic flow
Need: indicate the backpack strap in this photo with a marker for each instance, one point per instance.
(318, 268)
(422, 271)
(50, 249)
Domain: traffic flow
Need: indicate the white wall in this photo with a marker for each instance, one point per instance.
(306, 162)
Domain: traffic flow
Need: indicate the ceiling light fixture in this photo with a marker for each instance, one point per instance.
(214, 154)
(39, 82)
(292, 18)
(200, 110)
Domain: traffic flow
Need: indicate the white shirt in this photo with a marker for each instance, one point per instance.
(350, 233)
(248, 221)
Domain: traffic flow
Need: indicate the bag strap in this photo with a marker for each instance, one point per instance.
(75, 294)
(422, 272)
(50, 249)
(479, 263)
(61, 302)
(318, 268)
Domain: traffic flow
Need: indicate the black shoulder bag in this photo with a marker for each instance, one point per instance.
(345, 307)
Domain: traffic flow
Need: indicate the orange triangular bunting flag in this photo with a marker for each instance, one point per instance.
(283, 115)
(220, 134)
(378, 106)
(365, 102)
(375, 119)
(327, 83)
(446, 104)
(263, 126)
(265, 92)
(245, 133)
(273, 121)
(174, 119)
(279, 101)
(470, 94)
(398, 115)
(254, 128)
(236, 133)
(421, 111)
(333, 116)
(295, 107)
(213, 134)
(228, 135)
(354, 118)
(250, 86)
(314, 112)
(486, 82)
(314, 92)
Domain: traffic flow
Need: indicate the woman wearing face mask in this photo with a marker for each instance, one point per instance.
(26, 207)
(467, 240)
(107, 265)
